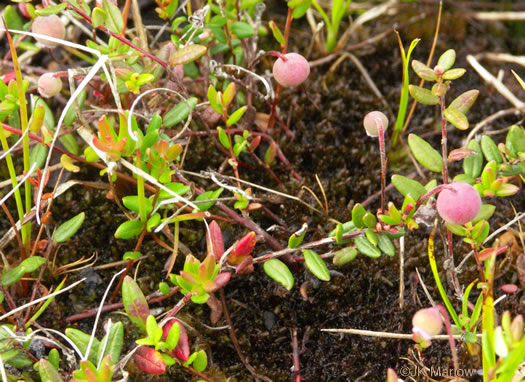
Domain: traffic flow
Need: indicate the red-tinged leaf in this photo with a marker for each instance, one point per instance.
(222, 279)
(245, 267)
(459, 154)
(207, 267)
(149, 360)
(243, 248)
(99, 145)
(509, 288)
(214, 241)
(487, 253)
(135, 303)
(182, 350)
(189, 278)
(520, 265)
(209, 286)
(255, 143)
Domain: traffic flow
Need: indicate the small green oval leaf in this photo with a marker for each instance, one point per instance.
(279, 272)
(422, 95)
(366, 248)
(425, 154)
(490, 150)
(408, 186)
(473, 164)
(187, 54)
(67, 229)
(129, 229)
(316, 265)
(179, 112)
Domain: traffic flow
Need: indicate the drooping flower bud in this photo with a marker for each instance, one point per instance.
(371, 122)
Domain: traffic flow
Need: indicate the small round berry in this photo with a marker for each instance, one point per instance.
(50, 26)
(371, 122)
(428, 320)
(292, 72)
(459, 203)
(49, 85)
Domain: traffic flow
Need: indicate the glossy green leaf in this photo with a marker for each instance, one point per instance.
(113, 341)
(131, 255)
(456, 229)
(32, 263)
(276, 33)
(67, 229)
(385, 245)
(242, 29)
(464, 102)
(490, 150)
(456, 118)
(12, 18)
(357, 215)
(179, 112)
(223, 137)
(54, 358)
(177, 188)
(48, 372)
(465, 178)
(173, 335)
(38, 155)
(114, 20)
(131, 202)
(316, 265)
(447, 59)
(423, 71)
(473, 164)
(201, 361)
(135, 303)
(422, 95)
(515, 140)
(344, 256)
(297, 237)
(454, 74)
(366, 248)
(236, 116)
(279, 272)
(12, 276)
(98, 17)
(370, 220)
(408, 186)
(129, 229)
(187, 54)
(82, 339)
(485, 212)
(425, 154)
(208, 195)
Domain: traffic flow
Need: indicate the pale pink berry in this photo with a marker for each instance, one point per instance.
(50, 26)
(427, 321)
(293, 72)
(459, 203)
(49, 85)
(372, 121)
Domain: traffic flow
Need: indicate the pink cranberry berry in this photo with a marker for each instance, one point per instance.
(371, 122)
(49, 85)
(458, 204)
(428, 320)
(293, 72)
(50, 26)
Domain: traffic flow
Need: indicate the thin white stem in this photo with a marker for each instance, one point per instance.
(10, 313)
(99, 312)
(3, 200)
(371, 333)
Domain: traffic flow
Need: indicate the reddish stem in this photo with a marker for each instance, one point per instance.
(382, 153)
(451, 341)
(120, 38)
